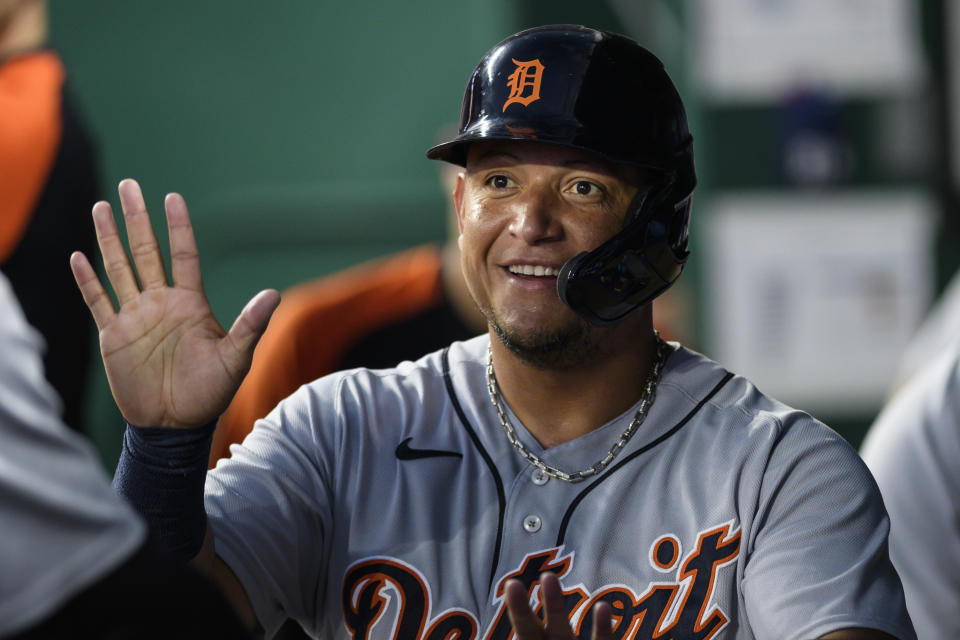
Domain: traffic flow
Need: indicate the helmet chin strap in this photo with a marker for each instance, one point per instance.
(606, 285)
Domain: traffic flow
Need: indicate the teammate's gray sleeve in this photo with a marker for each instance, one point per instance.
(269, 507)
(913, 450)
(817, 554)
(63, 527)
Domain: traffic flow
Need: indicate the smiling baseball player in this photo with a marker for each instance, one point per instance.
(568, 475)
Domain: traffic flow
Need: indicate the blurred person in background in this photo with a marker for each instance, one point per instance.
(48, 178)
(939, 332)
(75, 558)
(913, 450)
(373, 315)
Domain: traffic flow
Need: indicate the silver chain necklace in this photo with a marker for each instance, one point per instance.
(649, 393)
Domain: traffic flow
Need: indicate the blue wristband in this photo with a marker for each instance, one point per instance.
(161, 473)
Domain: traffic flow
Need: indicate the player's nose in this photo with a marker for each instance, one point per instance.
(535, 215)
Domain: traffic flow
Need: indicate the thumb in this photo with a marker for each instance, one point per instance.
(243, 336)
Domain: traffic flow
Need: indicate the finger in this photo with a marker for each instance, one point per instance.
(602, 622)
(525, 623)
(237, 346)
(143, 242)
(94, 295)
(115, 261)
(555, 611)
(184, 257)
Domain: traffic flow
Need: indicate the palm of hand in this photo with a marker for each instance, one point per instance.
(168, 360)
(169, 338)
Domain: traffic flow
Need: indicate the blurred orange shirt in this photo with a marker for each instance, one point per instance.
(30, 130)
(318, 323)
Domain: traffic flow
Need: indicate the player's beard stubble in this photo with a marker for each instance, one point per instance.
(573, 344)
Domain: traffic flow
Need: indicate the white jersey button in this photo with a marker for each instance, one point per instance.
(532, 523)
(539, 477)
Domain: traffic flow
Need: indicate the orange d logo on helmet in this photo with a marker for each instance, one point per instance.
(524, 82)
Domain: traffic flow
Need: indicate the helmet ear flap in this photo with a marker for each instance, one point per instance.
(633, 267)
(678, 235)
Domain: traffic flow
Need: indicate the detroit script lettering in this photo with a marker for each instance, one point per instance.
(677, 608)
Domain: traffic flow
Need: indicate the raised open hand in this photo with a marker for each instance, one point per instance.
(555, 625)
(168, 360)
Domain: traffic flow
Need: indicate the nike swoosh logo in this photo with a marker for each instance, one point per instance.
(404, 452)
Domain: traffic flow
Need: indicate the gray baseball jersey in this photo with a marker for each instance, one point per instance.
(390, 504)
(913, 449)
(62, 527)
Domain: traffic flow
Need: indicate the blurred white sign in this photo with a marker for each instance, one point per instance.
(814, 297)
(761, 49)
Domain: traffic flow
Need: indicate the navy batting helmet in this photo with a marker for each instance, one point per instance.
(587, 89)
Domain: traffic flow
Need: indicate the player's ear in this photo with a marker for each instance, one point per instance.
(458, 200)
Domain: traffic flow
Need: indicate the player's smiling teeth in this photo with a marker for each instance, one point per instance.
(532, 270)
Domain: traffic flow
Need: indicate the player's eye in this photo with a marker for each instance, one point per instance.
(498, 181)
(586, 188)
